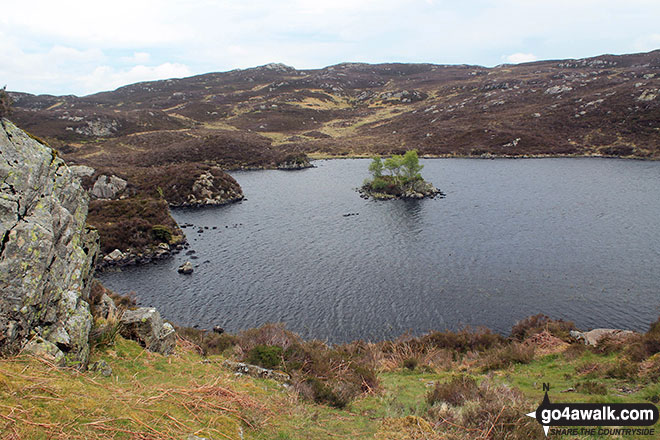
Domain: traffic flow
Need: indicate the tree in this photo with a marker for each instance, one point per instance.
(376, 167)
(410, 165)
(393, 165)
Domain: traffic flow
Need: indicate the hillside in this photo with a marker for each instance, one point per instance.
(171, 140)
(444, 386)
(604, 105)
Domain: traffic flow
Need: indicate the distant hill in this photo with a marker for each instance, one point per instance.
(607, 105)
(171, 139)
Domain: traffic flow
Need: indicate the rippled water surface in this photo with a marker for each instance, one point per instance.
(572, 238)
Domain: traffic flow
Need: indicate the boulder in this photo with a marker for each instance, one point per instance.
(114, 257)
(594, 336)
(46, 252)
(81, 171)
(147, 327)
(44, 349)
(256, 371)
(108, 187)
(186, 268)
(106, 308)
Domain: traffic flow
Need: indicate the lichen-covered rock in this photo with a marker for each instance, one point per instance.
(147, 327)
(108, 187)
(46, 251)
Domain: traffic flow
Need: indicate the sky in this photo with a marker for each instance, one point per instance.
(81, 47)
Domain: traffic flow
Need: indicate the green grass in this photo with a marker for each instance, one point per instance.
(152, 396)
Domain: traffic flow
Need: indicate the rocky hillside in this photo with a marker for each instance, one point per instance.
(607, 105)
(149, 145)
(46, 252)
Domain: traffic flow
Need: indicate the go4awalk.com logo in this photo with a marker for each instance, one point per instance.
(595, 418)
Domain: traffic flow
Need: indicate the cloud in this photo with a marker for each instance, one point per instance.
(517, 58)
(109, 78)
(72, 46)
(648, 43)
(137, 58)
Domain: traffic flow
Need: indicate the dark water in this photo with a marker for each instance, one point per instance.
(577, 239)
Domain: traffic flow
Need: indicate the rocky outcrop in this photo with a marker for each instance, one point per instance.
(417, 189)
(209, 190)
(147, 327)
(594, 336)
(46, 252)
(256, 371)
(108, 187)
(295, 162)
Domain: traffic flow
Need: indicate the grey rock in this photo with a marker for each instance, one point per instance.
(147, 327)
(108, 187)
(594, 336)
(81, 171)
(256, 371)
(106, 308)
(44, 349)
(114, 256)
(186, 268)
(46, 251)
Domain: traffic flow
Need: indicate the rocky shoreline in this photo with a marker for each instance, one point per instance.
(415, 191)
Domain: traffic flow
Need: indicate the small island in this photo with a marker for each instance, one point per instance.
(403, 180)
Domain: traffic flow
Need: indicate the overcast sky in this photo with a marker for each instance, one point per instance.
(81, 47)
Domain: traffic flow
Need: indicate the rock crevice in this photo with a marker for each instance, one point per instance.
(46, 252)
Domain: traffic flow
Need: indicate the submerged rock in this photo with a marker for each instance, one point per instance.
(46, 252)
(186, 268)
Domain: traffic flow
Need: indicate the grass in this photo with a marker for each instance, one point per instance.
(149, 396)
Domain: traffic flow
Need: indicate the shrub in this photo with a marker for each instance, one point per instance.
(513, 353)
(267, 356)
(104, 335)
(209, 343)
(410, 363)
(456, 392)
(161, 233)
(322, 393)
(462, 341)
(5, 103)
(538, 323)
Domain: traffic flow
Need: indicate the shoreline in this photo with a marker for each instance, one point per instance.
(324, 156)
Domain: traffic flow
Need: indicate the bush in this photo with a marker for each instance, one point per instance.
(5, 103)
(493, 412)
(267, 356)
(161, 233)
(513, 353)
(456, 392)
(463, 341)
(209, 343)
(410, 363)
(322, 393)
(644, 346)
(538, 323)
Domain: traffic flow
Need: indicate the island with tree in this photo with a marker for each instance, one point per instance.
(397, 177)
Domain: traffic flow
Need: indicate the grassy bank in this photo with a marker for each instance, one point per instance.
(464, 385)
